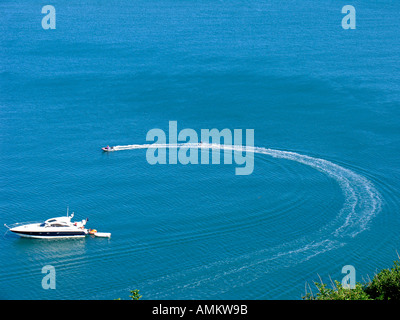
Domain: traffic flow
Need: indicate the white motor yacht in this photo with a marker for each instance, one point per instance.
(61, 227)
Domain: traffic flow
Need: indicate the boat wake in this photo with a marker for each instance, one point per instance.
(362, 202)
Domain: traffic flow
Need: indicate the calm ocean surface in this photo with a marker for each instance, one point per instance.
(113, 70)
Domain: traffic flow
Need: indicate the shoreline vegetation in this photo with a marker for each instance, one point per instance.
(385, 285)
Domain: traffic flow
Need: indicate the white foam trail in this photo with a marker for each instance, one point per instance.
(362, 200)
(361, 203)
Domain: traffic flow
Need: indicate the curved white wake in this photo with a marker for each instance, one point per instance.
(362, 200)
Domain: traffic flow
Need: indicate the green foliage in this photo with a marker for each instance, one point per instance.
(338, 293)
(135, 295)
(384, 286)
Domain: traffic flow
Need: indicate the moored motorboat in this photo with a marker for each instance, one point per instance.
(54, 228)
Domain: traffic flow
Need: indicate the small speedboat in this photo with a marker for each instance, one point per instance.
(61, 227)
(108, 149)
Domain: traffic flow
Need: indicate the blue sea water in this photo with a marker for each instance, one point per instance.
(113, 70)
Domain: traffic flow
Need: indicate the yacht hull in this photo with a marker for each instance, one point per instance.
(50, 235)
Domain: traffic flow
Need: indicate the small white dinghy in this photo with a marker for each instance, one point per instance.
(103, 234)
(99, 234)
